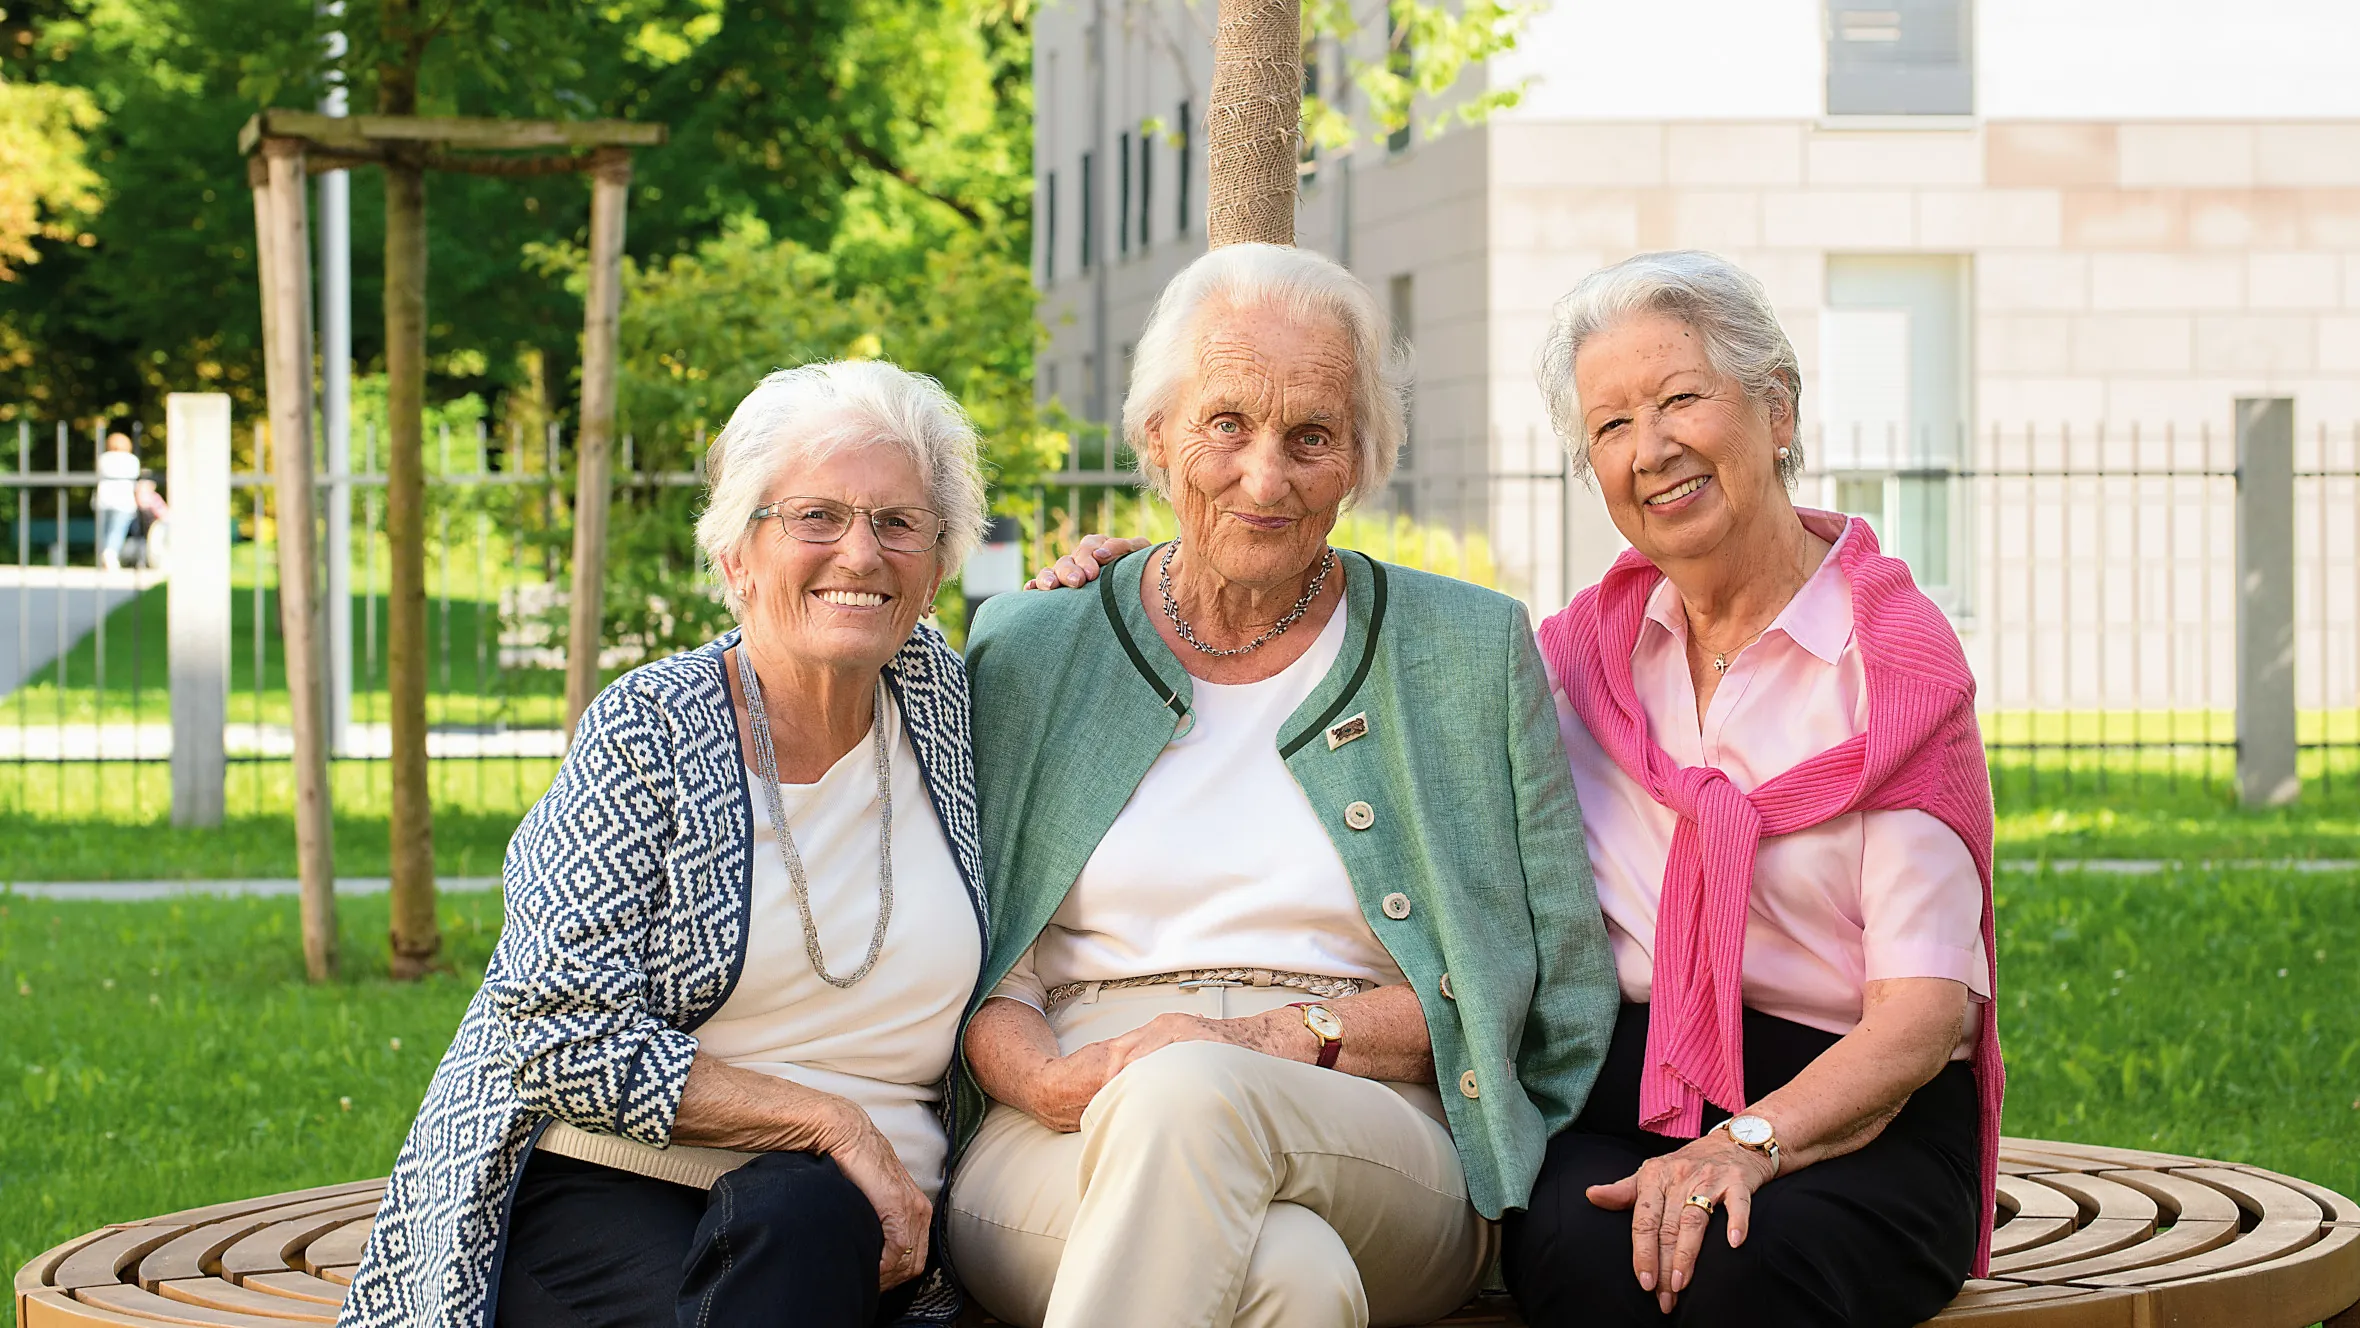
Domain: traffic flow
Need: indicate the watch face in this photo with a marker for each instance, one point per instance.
(1323, 1021)
(1752, 1131)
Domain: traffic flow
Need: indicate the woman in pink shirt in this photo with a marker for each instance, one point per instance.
(1772, 733)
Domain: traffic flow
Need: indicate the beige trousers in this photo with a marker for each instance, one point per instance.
(1210, 1185)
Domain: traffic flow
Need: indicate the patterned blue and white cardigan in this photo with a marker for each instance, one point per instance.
(627, 888)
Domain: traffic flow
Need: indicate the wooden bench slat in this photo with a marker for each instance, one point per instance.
(215, 1294)
(102, 1261)
(2178, 1243)
(269, 1249)
(34, 1276)
(56, 1309)
(2100, 1236)
(2257, 1192)
(2028, 1233)
(2044, 1307)
(341, 1247)
(2104, 1197)
(2182, 1199)
(298, 1286)
(240, 1207)
(2270, 1240)
(2314, 1284)
(2030, 1198)
(147, 1307)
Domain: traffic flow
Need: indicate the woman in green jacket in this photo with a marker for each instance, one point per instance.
(1296, 963)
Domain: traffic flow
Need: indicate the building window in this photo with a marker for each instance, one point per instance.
(1146, 186)
(1402, 305)
(1893, 403)
(1397, 59)
(1049, 229)
(1187, 146)
(1089, 213)
(1122, 211)
(1900, 57)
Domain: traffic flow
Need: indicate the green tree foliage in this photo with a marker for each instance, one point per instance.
(780, 110)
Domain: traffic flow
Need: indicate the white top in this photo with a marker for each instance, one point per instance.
(118, 481)
(884, 1042)
(1217, 860)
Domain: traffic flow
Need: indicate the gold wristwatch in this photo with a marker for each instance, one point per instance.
(1327, 1028)
(1755, 1134)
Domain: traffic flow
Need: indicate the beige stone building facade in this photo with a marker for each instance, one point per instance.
(2010, 260)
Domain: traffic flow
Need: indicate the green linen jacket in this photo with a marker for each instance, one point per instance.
(1470, 818)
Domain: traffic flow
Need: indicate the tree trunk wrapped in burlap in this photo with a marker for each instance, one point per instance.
(1254, 131)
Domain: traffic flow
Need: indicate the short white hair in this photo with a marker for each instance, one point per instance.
(807, 413)
(1722, 301)
(1297, 282)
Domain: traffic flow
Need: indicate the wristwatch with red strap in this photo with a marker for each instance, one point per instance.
(1326, 1027)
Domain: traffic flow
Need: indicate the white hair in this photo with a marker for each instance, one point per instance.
(1302, 284)
(807, 413)
(1722, 301)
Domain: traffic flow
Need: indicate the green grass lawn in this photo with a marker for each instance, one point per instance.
(155, 1056)
(91, 822)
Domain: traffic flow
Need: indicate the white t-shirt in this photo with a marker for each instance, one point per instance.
(118, 483)
(885, 1041)
(1217, 861)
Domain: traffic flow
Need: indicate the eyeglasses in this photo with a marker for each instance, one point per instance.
(824, 521)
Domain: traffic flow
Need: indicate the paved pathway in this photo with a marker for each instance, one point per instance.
(44, 611)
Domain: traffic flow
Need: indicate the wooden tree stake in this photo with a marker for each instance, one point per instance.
(610, 183)
(1254, 128)
(285, 249)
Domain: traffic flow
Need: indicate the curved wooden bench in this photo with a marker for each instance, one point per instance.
(2088, 1237)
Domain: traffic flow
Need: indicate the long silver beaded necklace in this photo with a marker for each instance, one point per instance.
(1163, 583)
(766, 765)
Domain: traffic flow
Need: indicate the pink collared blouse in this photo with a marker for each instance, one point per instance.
(1861, 898)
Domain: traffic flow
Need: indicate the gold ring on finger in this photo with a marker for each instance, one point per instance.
(1700, 1201)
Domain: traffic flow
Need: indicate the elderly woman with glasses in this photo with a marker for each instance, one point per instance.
(704, 1081)
(1295, 960)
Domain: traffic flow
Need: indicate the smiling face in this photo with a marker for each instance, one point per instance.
(1259, 443)
(848, 605)
(1687, 462)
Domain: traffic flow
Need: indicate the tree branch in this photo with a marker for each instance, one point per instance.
(854, 144)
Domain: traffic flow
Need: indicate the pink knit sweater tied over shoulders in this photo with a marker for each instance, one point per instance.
(1921, 750)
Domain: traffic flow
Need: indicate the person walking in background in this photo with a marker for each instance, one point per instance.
(116, 500)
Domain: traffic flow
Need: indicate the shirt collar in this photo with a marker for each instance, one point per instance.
(1818, 618)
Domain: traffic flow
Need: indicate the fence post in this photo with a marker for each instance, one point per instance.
(196, 601)
(2266, 744)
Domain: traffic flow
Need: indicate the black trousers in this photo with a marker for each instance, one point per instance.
(1879, 1238)
(785, 1240)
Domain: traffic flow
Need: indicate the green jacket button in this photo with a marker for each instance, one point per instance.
(1396, 906)
(1360, 816)
(1467, 1086)
(1446, 992)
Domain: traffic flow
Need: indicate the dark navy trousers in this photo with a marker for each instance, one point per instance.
(785, 1240)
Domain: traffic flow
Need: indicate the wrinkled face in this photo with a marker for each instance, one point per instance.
(1259, 443)
(1684, 458)
(847, 605)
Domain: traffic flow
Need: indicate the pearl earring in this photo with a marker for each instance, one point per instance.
(1783, 454)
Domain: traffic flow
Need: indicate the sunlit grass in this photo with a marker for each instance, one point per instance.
(157, 1056)
(84, 821)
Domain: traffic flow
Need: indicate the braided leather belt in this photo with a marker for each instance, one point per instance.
(1331, 989)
